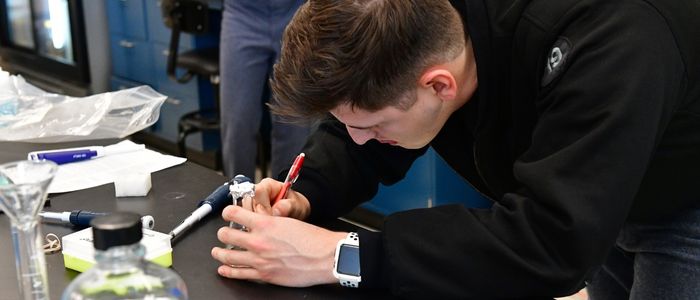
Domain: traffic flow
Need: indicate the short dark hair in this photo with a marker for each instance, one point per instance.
(366, 53)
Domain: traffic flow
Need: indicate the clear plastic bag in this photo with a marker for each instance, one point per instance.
(30, 114)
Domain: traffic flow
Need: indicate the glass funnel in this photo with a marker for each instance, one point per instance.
(23, 186)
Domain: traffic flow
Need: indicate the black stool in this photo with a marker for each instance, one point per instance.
(192, 17)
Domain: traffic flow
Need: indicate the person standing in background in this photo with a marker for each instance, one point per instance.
(251, 33)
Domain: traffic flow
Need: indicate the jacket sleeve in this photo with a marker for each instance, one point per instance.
(338, 174)
(597, 130)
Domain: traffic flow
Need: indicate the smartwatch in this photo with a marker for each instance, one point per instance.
(347, 261)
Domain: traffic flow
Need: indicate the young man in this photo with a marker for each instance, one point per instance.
(584, 130)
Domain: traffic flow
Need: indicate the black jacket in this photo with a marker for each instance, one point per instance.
(587, 115)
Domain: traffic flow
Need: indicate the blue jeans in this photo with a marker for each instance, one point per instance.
(251, 32)
(653, 260)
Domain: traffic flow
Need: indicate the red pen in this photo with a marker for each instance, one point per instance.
(291, 177)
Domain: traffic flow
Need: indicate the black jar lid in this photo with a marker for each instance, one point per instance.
(116, 229)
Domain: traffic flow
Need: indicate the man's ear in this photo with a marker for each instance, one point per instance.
(441, 81)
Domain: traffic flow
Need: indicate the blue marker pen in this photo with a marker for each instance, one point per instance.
(66, 156)
(63, 156)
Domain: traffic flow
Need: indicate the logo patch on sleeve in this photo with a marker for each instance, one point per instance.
(556, 60)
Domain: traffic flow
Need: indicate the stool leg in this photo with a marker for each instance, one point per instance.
(182, 133)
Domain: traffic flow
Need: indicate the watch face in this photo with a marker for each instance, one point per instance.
(349, 260)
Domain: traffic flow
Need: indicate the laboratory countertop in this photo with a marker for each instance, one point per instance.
(175, 193)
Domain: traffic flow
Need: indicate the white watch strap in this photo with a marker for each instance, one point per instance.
(352, 239)
(347, 281)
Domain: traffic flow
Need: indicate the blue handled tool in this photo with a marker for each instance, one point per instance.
(214, 202)
(82, 218)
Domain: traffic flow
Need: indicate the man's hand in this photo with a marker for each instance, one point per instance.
(294, 206)
(280, 250)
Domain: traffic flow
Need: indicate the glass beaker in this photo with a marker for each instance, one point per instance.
(23, 186)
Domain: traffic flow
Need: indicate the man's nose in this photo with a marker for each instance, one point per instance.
(360, 136)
